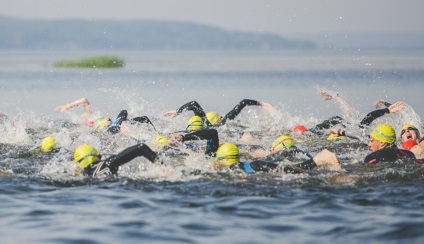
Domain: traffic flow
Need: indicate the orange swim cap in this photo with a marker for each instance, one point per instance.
(299, 129)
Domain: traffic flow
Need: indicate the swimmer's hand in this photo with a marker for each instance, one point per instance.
(397, 106)
(175, 141)
(170, 114)
(326, 95)
(266, 106)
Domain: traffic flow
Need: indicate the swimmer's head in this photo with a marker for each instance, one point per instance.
(213, 117)
(409, 132)
(195, 123)
(384, 133)
(281, 143)
(227, 154)
(101, 123)
(159, 142)
(86, 155)
(335, 137)
(409, 144)
(299, 129)
(48, 144)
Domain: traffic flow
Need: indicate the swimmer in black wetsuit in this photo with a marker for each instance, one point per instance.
(381, 144)
(282, 148)
(92, 164)
(121, 122)
(335, 120)
(213, 119)
(103, 122)
(383, 147)
(227, 155)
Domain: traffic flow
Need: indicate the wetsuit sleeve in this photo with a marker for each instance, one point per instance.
(326, 124)
(298, 168)
(206, 134)
(238, 108)
(261, 166)
(130, 153)
(192, 106)
(370, 117)
(387, 155)
(142, 120)
(115, 126)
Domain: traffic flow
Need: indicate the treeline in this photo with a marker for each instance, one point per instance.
(133, 35)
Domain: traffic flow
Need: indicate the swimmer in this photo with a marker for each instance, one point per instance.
(120, 124)
(213, 119)
(363, 124)
(91, 164)
(283, 147)
(227, 155)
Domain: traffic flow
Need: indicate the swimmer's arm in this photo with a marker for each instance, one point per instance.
(132, 152)
(341, 132)
(323, 158)
(242, 104)
(80, 101)
(381, 101)
(339, 99)
(205, 134)
(370, 117)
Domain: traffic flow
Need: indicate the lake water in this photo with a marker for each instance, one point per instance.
(41, 203)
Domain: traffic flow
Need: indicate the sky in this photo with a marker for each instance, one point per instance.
(287, 18)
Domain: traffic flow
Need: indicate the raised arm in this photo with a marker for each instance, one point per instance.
(81, 101)
(346, 107)
(242, 104)
(370, 117)
(190, 106)
(206, 134)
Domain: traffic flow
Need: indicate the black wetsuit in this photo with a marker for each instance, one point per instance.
(290, 154)
(110, 165)
(256, 165)
(198, 110)
(387, 155)
(335, 120)
(115, 126)
(266, 166)
(211, 135)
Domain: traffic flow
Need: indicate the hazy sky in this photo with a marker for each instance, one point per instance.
(275, 16)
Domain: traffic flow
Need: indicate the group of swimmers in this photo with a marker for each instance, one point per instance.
(205, 127)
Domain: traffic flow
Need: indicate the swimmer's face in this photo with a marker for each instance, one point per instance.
(374, 145)
(409, 134)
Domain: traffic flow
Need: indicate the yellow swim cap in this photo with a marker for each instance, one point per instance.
(227, 154)
(161, 139)
(195, 123)
(213, 117)
(410, 127)
(333, 137)
(159, 142)
(85, 155)
(282, 142)
(101, 122)
(48, 144)
(384, 133)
